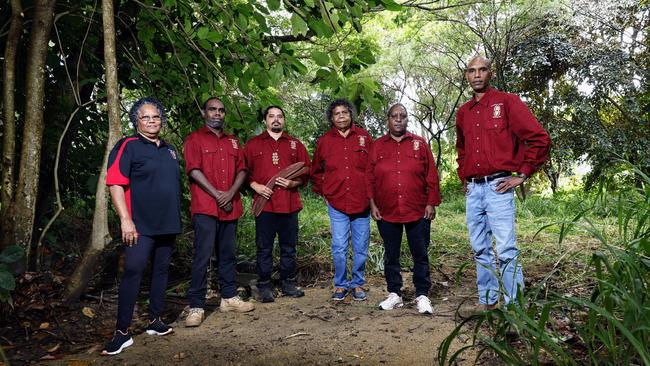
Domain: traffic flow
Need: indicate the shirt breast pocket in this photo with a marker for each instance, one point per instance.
(496, 124)
(361, 158)
(209, 156)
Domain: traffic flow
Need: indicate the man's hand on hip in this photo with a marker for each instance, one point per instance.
(508, 183)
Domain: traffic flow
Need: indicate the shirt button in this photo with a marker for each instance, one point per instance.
(477, 138)
(477, 125)
(398, 161)
(495, 125)
(477, 112)
(476, 150)
(478, 164)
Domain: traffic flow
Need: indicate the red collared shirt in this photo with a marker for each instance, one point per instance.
(402, 177)
(339, 168)
(219, 159)
(499, 133)
(265, 157)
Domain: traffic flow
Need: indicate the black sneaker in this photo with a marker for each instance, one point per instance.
(289, 289)
(119, 342)
(157, 327)
(266, 294)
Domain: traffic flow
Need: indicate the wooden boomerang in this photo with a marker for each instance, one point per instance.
(290, 172)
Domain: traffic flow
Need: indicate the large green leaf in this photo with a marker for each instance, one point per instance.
(273, 4)
(298, 25)
(321, 58)
(11, 254)
(7, 281)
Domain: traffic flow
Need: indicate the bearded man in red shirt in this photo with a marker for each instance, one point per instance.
(500, 144)
(403, 189)
(266, 155)
(214, 162)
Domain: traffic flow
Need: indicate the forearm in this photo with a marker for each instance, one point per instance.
(203, 182)
(119, 201)
(239, 181)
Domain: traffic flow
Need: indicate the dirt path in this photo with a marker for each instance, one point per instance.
(307, 331)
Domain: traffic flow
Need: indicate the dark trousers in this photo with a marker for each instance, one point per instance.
(208, 232)
(267, 225)
(417, 235)
(135, 261)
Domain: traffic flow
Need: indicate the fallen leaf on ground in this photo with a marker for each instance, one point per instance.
(88, 312)
(45, 325)
(94, 349)
(179, 356)
(54, 349)
(78, 363)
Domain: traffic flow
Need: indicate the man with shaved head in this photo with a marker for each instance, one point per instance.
(500, 144)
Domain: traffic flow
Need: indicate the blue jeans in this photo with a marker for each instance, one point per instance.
(490, 213)
(344, 228)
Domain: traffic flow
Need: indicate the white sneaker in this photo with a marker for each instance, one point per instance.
(392, 301)
(194, 318)
(424, 305)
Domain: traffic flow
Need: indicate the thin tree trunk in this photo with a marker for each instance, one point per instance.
(100, 236)
(30, 158)
(9, 130)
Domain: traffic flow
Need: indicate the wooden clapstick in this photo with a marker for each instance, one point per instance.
(292, 171)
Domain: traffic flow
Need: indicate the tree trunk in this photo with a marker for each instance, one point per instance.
(9, 130)
(100, 236)
(30, 158)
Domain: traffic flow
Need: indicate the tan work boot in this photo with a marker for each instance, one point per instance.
(194, 318)
(235, 304)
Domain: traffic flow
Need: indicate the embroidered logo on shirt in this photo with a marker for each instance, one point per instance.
(293, 145)
(234, 144)
(416, 145)
(496, 110)
(172, 153)
(362, 141)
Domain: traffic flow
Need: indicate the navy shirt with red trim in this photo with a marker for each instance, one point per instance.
(150, 175)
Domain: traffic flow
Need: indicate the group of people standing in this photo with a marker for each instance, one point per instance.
(392, 179)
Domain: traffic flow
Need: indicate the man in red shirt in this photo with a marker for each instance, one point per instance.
(496, 136)
(338, 174)
(215, 164)
(403, 189)
(266, 155)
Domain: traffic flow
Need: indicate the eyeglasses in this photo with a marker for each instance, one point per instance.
(147, 119)
(395, 115)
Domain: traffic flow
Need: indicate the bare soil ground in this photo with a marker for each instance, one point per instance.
(306, 331)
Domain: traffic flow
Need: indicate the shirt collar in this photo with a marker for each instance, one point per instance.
(266, 134)
(206, 129)
(353, 130)
(146, 141)
(387, 137)
(486, 97)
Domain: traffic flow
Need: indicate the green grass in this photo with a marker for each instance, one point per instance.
(597, 314)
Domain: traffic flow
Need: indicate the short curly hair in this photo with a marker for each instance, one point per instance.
(135, 109)
(340, 102)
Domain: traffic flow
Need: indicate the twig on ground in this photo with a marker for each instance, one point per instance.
(297, 335)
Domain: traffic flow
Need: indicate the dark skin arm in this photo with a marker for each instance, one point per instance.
(223, 198)
(511, 182)
(374, 211)
(129, 232)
